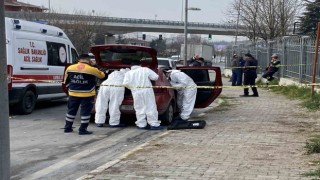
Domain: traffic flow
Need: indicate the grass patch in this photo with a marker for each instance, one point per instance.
(295, 92)
(315, 173)
(313, 145)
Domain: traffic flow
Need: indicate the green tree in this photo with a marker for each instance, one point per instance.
(310, 18)
(160, 46)
(120, 39)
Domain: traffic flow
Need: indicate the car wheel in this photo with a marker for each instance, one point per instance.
(27, 104)
(167, 116)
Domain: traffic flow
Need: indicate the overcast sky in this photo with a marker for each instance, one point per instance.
(212, 11)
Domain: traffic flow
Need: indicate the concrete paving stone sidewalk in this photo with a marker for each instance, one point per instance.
(250, 138)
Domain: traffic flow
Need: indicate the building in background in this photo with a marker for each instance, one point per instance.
(14, 5)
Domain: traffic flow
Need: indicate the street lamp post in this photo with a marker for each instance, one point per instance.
(238, 18)
(49, 7)
(186, 29)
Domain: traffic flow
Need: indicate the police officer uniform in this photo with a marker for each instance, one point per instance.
(250, 75)
(80, 79)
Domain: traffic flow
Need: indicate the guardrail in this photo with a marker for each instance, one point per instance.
(40, 15)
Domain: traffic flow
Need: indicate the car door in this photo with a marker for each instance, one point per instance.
(208, 77)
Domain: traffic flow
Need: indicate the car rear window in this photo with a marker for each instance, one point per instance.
(126, 56)
(164, 63)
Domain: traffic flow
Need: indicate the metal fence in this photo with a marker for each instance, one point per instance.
(296, 55)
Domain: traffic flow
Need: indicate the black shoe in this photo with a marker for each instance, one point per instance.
(244, 95)
(99, 125)
(117, 126)
(254, 95)
(85, 132)
(68, 130)
(156, 127)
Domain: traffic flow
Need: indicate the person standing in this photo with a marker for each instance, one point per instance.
(250, 75)
(110, 98)
(80, 79)
(194, 58)
(236, 77)
(186, 97)
(197, 62)
(272, 68)
(144, 101)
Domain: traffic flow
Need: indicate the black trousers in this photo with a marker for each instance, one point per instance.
(74, 103)
(268, 75)
(250, 80)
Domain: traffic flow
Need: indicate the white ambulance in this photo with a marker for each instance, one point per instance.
(36, 58)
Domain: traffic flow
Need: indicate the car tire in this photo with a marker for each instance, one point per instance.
(92, 117)
(27, 103)
(167, 116)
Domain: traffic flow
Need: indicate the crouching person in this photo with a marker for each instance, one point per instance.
(80, 79)
(186, 97)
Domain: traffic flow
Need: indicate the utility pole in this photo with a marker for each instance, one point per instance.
(182, 10)
(185, 32)
(238, 18)
(4, 104)
(49, 6)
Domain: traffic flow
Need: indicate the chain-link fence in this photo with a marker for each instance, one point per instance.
(295, 53)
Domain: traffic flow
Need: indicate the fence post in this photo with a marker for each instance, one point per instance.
(255, 47)
(269, 50)
(284, 60)
(315, 59)
(302, 69)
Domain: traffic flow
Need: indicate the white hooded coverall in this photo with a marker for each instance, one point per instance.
(110, 97)
(186, 96)
(144, 101)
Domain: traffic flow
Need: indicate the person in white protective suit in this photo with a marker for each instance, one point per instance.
(186, 97)
(144, 101)
(110, 97)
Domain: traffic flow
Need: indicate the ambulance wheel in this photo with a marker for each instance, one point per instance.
(167, 116)
(27, 104)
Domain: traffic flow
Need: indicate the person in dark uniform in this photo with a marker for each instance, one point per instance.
(198, 62)
(194, 58)
(80, 79)
(197, 75)
(250, 75)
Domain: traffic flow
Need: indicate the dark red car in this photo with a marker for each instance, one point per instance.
(115, 56)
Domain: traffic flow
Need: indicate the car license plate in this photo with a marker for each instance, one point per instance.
(126, 107)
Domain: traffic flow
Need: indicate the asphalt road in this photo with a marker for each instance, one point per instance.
(40, 150)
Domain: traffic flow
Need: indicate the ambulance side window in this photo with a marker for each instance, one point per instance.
(74, 55)
(57, 54)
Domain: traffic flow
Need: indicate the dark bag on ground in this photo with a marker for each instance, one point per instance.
(200, 124)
